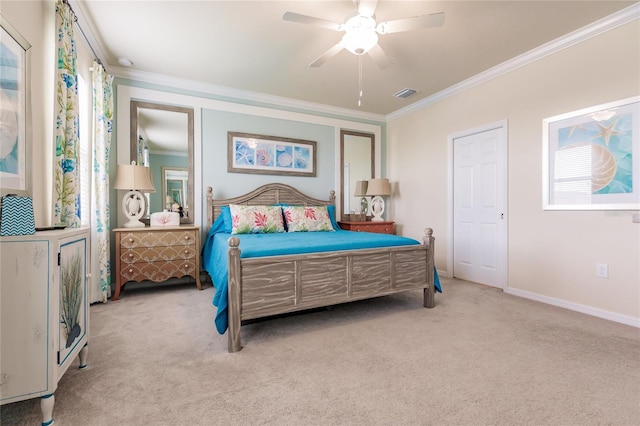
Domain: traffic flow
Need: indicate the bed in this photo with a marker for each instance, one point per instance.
(262, 275)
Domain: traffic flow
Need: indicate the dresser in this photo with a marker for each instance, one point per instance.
(156, 254)
(44, 313)
(368, 226)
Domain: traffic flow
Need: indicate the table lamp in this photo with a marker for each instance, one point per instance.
(378, 188)
(136, 179)
(361, 191)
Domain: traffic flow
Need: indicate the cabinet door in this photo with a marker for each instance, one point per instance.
(73, 296)
(24, 300)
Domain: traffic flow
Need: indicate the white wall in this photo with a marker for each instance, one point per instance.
(552, 254)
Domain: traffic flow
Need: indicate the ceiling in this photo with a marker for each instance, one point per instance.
(245, 49)
(166, 132)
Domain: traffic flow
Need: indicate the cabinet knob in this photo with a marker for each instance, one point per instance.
(130, 271)
(130, 255)
(186, 238)
(131, 240)
(185, 266)
(186, 252)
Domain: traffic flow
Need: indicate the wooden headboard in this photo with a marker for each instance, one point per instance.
(269, 194)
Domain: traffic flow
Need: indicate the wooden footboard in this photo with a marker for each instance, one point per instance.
(261, 287)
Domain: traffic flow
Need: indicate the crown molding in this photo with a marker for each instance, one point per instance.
(245, 96)
(596, 28)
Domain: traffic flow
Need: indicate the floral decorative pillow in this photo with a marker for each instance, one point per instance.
(307, 219)
(256, 219)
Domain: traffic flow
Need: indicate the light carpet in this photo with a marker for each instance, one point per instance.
(480, 357)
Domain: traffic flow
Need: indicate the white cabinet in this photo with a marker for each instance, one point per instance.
(44, 312)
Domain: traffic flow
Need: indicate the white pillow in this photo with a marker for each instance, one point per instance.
(307, 219)
(256, 219)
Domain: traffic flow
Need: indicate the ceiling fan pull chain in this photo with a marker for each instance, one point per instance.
(360, 80)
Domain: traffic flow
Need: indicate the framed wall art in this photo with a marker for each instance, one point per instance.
(271, 155)
(14, 96)
(591, 158)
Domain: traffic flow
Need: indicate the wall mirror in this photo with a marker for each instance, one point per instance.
(162, 139)
(357, 163)
(175, 187)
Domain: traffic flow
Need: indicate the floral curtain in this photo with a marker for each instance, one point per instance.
(102, 131)
(66, 178)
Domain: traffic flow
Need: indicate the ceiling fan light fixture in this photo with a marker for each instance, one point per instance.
(359, 41)
(360, 34)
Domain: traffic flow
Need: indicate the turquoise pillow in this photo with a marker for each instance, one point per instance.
(226, 217)
(332, 215)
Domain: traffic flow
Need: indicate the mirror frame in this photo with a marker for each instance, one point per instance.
(344, 133)
(133, 141)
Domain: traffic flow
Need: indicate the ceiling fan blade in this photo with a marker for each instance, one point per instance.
(379, 57)
(367, 7)
(408, 24)
(327, 55)
(310, 20)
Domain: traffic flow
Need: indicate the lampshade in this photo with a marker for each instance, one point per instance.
(379, 187)
(361, 188)
(360, 35)
(133, 177)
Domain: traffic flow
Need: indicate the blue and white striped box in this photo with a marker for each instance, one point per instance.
(16, 217)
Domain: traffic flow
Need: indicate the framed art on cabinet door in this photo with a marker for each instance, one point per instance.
(591, 158)
(270, 155)
(14, 98)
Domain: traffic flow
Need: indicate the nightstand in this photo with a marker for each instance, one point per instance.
(156, 254)
(368, 226)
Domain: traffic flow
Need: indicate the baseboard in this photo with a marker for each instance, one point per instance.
(600, 313)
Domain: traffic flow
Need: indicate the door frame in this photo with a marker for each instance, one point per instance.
(504, 129)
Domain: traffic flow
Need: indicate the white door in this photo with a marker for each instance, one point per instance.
(479, 206)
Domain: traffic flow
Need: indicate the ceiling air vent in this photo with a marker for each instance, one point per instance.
(405, 93)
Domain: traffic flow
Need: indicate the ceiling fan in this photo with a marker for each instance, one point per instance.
(361, 31)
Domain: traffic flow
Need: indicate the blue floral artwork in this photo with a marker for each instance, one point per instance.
(271, 155)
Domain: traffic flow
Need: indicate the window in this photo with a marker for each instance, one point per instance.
(84, 150)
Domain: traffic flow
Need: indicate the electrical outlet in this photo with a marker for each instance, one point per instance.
(602, 270)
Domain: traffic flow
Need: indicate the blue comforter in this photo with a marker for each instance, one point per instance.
(216, 247)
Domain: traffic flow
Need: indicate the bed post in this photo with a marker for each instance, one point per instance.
(234, 296)
(429, 292)
(209, 208)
